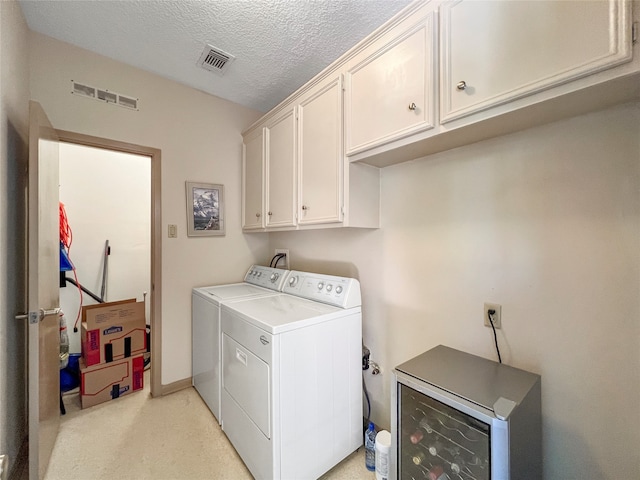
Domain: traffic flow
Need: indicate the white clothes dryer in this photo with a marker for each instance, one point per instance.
(291, 376)
(259, 281)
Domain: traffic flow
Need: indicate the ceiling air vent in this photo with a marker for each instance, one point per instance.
(215, 60)
(104, 95)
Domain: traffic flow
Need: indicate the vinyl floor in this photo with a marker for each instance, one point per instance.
(174, 437)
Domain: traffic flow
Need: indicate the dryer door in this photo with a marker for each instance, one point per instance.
(246, 378)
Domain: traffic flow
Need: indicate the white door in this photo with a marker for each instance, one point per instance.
(281, 170)
(495, 52)
(43, 296)
(320, 155)
(252, 176)
(390, 94)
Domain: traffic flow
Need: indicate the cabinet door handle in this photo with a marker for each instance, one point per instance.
(257, 215)
(462, 85)
(412, 106)
(270, 214)
(304, 207)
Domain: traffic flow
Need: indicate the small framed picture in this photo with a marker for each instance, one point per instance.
(205, 209)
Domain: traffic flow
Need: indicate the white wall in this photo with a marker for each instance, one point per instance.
(14, 138)
(107, 196)
(545, 222)
(200, 138)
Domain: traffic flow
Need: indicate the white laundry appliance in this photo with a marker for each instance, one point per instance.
(292, 376)
(205, 326)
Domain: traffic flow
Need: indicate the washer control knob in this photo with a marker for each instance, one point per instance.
(329, 287)
(293, 281)
(320, 285)
(339, 289)
(274, 277)
(259, 274)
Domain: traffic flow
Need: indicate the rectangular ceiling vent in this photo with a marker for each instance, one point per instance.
(104, 95)
(215, 60)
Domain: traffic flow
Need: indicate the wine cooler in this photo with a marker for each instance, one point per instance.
(456, 416)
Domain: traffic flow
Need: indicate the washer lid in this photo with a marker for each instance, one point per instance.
(222, 293)
(280, 313)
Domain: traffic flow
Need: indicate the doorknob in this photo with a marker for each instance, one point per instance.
(35, 317)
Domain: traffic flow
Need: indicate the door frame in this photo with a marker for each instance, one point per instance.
(156, 238)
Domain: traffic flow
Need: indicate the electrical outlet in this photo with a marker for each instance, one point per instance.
(284, 262)
(496, 317)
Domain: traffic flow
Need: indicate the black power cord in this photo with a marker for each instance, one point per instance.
(490, 313)
(276, 258)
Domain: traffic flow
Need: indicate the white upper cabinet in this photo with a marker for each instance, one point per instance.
(493, 52)
(320, 154)
(252, 176)
(438, 75)
(280, 168)
(389, 86)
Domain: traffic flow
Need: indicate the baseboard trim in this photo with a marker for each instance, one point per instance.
(176, 386)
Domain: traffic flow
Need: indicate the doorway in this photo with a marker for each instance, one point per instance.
(153, 298)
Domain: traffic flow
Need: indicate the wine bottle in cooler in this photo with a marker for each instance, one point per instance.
(416, 436)
(435, 448)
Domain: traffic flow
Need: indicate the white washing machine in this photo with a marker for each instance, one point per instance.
(292, 376)
(205, 326)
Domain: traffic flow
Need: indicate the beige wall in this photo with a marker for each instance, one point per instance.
(545, 222)
(200, 139)
(14, 133)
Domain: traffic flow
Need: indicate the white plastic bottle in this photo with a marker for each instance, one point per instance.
(370, 448)
(383, 445)
(64, 342)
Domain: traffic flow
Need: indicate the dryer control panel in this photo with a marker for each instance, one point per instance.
(341, 292)
(267, 277)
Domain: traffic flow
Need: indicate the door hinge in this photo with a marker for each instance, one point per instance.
(634, 33)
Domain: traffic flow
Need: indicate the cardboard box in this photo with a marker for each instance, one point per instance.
(113, 331)
(103, 315)
(116, 342)
(107, 381)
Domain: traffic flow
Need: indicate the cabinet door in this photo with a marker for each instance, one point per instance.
(280, 170)
(494, 52)
(252, 174)
(390, 93)
(320, 155)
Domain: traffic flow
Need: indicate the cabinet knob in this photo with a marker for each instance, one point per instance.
(304, 207)
(270, 214)
(412, 106)
(462, 85)
(257, 215)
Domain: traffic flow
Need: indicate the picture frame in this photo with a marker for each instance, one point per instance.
(205, 209)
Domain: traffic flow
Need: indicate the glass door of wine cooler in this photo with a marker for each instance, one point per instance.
(437, 442)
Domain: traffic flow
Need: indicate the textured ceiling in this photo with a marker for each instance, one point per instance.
(279, 44)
